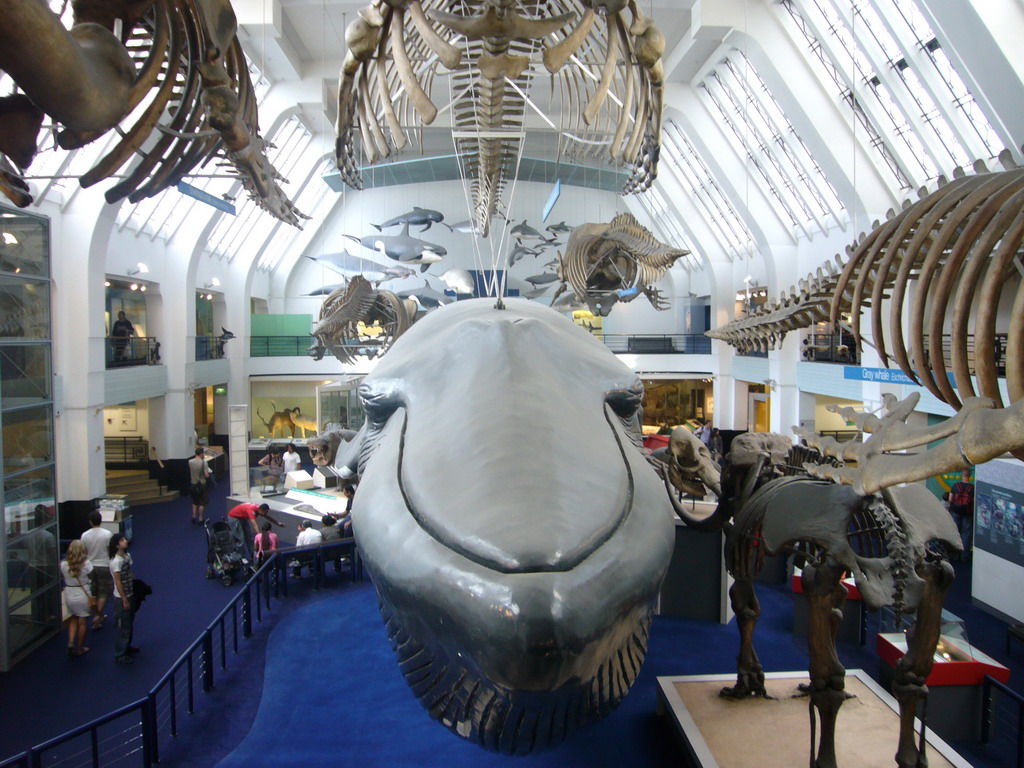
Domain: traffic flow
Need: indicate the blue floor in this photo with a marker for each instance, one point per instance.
(319, 683)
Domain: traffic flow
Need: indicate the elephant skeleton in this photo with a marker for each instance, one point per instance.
(177, 65)
(769, 504)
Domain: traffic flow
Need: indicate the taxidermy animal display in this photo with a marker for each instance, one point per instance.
(403, 248)
(415, 217)
(337, 329)
(518, 604)
(324, 448)
(886, 540)
(618, 261)
(184, 77)
(483, 50)
(280, 420)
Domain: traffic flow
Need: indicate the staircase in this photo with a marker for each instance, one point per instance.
(138, 486)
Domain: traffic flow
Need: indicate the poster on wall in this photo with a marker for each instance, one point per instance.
(126, 419)
(999, 512)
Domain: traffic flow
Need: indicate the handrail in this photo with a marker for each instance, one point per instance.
(988, 712)
(260, 582)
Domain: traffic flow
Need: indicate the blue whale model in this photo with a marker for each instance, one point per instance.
(516, 578)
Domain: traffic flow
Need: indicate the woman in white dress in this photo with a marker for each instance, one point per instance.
(75, 570)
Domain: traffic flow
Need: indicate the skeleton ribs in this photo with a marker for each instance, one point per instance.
(397, 48)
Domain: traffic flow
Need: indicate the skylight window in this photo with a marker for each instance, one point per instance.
(249, 230)
(760, 131)
(666, 226)
(693, 175)
(887, 64)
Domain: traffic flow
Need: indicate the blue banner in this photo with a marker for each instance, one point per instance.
(887, 375)
(205, 197)
(552, 199)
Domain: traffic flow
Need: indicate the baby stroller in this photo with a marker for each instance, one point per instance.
(225, 555)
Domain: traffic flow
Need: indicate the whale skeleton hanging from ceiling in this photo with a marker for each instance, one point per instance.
(173, 82)
(397, 49)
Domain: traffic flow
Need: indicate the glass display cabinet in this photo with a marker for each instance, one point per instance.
(29, 581)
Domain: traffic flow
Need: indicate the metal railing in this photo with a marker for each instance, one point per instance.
(126, 450)
(209, 348)
(279, 346)
(121, 352)
(132, 734)
(658, 343)
(619, 343)
(1013, 726)
(829, 348)
(998, 352)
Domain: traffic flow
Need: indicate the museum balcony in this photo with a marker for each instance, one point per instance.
(209, 348)
(121, 352)
(619, 343)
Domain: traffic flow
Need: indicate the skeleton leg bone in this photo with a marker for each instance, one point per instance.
(826, 595)
(913, 668)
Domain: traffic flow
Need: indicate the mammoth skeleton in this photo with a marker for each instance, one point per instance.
(768, 503)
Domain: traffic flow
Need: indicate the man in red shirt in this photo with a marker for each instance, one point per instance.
(250, 512)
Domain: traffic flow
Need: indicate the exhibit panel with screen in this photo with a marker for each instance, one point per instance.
(999, 537)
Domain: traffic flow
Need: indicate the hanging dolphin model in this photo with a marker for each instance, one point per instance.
(466, 227)
(542, 279)
(524, 231)
(459, 280)
(426, 296)
(518, 604)
(518, 252)
(558, 228)
(416, 217)
(403, 248)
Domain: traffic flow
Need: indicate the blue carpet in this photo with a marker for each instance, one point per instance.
(333, 695)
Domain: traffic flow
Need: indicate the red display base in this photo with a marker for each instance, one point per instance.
(967, 665)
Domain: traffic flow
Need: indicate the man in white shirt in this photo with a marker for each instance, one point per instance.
(291, 458)
(308, 536)
(96, 541)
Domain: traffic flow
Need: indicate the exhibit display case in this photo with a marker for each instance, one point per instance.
(29, 583)
(955, 682)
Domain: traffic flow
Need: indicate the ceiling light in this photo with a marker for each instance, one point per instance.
(215, 282)
(209, 297)
(143, 268)
(106, 283)
(134, 286)
(10, 239)
(748, 279)
(142, 288)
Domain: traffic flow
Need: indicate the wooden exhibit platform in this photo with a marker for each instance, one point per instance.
(717, 732)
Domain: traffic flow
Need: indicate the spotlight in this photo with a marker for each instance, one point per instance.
(142, 288)
(134, 286)
(106, 283)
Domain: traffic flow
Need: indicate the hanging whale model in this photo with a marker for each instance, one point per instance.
(458, 280)
(518, 252)
(403, 248)
(416, 217)
(466, 227)
(524, 231)
(426, 296)
(558, 228)
(518, 604)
